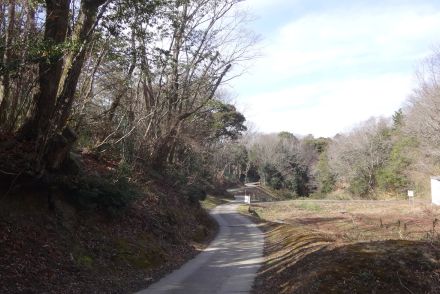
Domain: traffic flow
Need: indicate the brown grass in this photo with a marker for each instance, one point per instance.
(349, 247)
(358, 220)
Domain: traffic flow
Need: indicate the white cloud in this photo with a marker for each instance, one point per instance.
(260, 5)
(322, 41)
(325, 109)
(328, 70)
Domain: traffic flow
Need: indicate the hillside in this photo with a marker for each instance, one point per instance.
(69, 248)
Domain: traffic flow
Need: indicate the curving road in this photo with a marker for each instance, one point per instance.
(228, 265)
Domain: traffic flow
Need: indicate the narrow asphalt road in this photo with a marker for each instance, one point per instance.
(228, 265)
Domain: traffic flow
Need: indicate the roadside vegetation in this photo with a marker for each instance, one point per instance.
(212, 202)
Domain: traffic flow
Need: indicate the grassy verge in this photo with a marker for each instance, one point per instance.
(211, 202)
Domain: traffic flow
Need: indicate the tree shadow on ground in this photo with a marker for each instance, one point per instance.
(300, 261)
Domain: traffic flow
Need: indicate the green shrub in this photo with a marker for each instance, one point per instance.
(97, 193)
(84, 261)
(194, 193)
(326, 179)
(360, 185)
(392, 177)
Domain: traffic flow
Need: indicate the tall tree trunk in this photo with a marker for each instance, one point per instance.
(2, 17)
(37, 127)
(128, 142)
(26, 73)
(117, 101)
(5, 101)
(89, 90)
(173, 94)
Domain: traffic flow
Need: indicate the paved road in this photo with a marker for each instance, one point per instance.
(228, 265)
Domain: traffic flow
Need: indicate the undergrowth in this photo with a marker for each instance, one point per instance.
(99, 193)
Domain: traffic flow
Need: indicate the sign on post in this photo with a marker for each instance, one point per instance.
(411, 197)
(247, 199)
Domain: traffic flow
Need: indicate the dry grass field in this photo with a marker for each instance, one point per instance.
(322, 246)
(358, 220)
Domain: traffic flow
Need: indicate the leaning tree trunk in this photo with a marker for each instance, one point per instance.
(75, 60)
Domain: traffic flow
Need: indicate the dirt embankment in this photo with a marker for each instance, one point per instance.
(59, 248)
(314, 251)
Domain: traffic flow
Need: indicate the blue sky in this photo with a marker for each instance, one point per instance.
(327, 65)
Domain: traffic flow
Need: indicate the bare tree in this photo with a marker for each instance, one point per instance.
(356, 157)
(180, 56)
(422, 118)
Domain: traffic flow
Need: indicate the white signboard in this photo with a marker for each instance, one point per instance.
(247, 199)
(410, 193)
(435, 190)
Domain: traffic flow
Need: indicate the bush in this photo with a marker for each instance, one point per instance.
(194, 194)
(97, 193)
(326, 179)
(360, 186)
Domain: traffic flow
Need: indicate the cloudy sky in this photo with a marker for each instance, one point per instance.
(329, 64)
